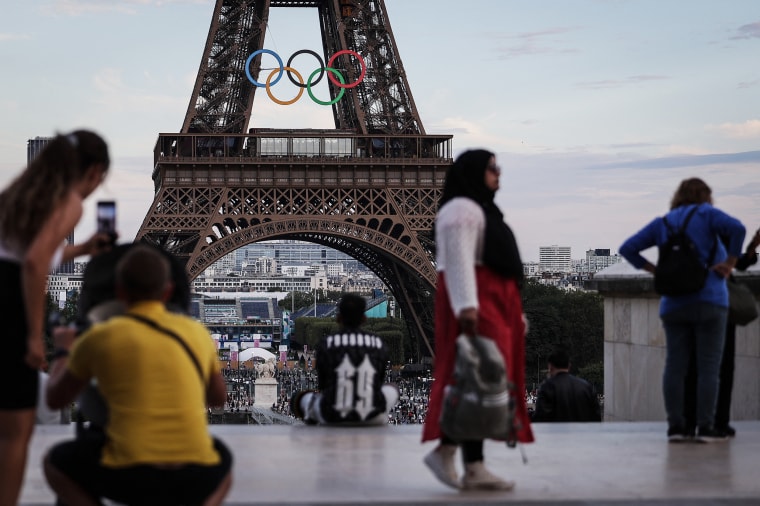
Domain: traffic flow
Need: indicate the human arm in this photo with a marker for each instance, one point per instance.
(63, 386)
(643, 239)
(323, 364)
(732, 232)
(749, 257)
(459, 234)
(96, 244)
(216, 390)
(544, 411)
(35, 269)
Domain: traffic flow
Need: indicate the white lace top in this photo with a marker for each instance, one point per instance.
(460, 232)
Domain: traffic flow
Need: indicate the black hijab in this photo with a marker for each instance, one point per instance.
(466, 178)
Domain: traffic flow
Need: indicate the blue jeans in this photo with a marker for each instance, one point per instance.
(700, 327)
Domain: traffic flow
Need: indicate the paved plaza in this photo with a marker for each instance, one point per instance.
(617, 463)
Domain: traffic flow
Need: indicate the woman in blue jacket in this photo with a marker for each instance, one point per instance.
(696, 321)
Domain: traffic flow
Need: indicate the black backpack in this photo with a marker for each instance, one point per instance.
(679, 270)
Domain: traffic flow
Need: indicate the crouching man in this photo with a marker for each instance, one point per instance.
(157, 372)
(350, 371)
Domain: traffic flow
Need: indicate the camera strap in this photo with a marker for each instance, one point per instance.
(172, 334)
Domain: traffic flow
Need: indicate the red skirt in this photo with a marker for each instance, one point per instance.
(500, 318)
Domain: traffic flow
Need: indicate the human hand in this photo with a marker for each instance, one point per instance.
(725, 268)
(98, 243)
(63, 337)
(35, 353)
(468, 321)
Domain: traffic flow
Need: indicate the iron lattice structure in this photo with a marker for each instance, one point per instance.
(369, 187)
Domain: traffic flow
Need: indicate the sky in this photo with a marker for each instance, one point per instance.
(596, 109)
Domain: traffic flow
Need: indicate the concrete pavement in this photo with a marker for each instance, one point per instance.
(618, 463)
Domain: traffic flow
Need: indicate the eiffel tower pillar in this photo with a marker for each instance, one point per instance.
(369, 187)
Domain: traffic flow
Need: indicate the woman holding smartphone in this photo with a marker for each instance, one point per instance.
(38, 211)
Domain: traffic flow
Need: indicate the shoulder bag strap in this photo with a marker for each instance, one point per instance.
(711, 255)
(688, 218)
(173, 335)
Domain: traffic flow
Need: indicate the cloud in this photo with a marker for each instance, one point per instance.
(83, 7)
(532, 43)
(565, 199)
(117, 96)
(633, 145)
(619, 83)
(750, 31)
(750, 129)
(748, 84)
(13, 36)
(79, 8)
(678, 161)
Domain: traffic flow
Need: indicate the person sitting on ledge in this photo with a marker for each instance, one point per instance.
(350, 371)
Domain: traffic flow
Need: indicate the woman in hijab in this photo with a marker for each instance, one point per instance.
(478, 293)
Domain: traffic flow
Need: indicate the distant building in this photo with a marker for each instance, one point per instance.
(64, 283)
(554, 259)
(598, 259)
(531, 269)
(33, 148)
(295, 253)
(261, 265)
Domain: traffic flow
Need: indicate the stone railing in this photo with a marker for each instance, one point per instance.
(634, 348)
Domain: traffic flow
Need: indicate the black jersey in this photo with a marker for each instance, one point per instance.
(351, 370)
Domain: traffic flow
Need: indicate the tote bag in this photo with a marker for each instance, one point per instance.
(478, 405)
(742, 306)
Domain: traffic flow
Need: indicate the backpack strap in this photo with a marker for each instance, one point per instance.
(682, 229)
(683, 225)
(173, 335)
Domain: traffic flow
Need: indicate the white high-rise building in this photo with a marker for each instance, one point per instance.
(598, 259)
(554, 258)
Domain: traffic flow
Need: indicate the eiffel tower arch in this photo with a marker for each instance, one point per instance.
(369, 187)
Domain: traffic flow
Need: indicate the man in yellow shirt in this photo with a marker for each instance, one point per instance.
(157, 372)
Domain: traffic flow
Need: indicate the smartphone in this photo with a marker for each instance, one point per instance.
(107, 218)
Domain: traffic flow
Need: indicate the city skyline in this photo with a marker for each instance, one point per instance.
(596, 110)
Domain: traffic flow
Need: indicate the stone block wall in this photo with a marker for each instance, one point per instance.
(634, 349)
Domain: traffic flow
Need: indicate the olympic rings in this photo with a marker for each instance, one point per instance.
(309, 83)
(282, 102)
(315, 55)
(250, 59)
(361, 61)
(333, 74)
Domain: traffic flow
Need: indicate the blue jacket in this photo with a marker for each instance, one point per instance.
(704, 229)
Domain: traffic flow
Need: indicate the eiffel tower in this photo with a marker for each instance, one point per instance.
(369, 187)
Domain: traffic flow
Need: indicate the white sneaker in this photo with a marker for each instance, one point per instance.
(477, 477)
(441, 462)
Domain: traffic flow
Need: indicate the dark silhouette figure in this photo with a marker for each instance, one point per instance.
(564, 397)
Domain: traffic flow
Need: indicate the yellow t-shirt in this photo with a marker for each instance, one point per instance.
(156, 400)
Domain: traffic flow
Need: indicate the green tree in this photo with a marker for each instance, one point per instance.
(297, 300)
(574, 320)
(309, 330)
